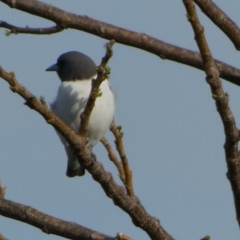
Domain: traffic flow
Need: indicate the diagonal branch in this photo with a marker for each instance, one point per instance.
(15, 30)
(221, 99)
(47, 223)
(221, 20)
(130, 205)
(123, 36)
(101, 76)
(112, 156)
(120, 148)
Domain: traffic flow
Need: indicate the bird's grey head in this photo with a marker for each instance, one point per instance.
(73, 66)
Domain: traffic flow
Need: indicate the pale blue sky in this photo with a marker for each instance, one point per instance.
(173, 134)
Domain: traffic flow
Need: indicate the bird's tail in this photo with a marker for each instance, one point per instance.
(73, 168)
(79, 171)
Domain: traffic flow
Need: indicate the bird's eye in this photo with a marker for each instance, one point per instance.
(61, 64)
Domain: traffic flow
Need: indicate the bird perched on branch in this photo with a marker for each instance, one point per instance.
(76, 72)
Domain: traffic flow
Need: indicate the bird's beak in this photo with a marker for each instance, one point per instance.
(53, 68)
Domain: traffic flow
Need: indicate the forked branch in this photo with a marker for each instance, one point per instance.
(130, 205)
(221, 100)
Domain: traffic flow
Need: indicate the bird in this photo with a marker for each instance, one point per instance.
(76, 72)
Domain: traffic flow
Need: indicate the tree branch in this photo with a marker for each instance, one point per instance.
(101, 76)
(123, 36)
(130, 205)
(221, 20)
(15, 30)
(120, 148)
(48, 224)
(112, 156)
(221, 99)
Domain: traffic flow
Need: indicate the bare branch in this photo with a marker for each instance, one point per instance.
(120, 148)
(221, 99)
(112, 156)
(95, 90)
(15, 30)
(221, 20)
(48, 224)
(130, 205)
(123, 36)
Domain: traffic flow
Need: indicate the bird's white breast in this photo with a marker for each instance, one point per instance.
(71, 100)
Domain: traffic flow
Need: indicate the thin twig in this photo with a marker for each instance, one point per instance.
(123, 36)
(95, 90)
(221, 100)
(121, 150)
(225, 23)
(40, 31)
(112, 156)
(130, 205)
